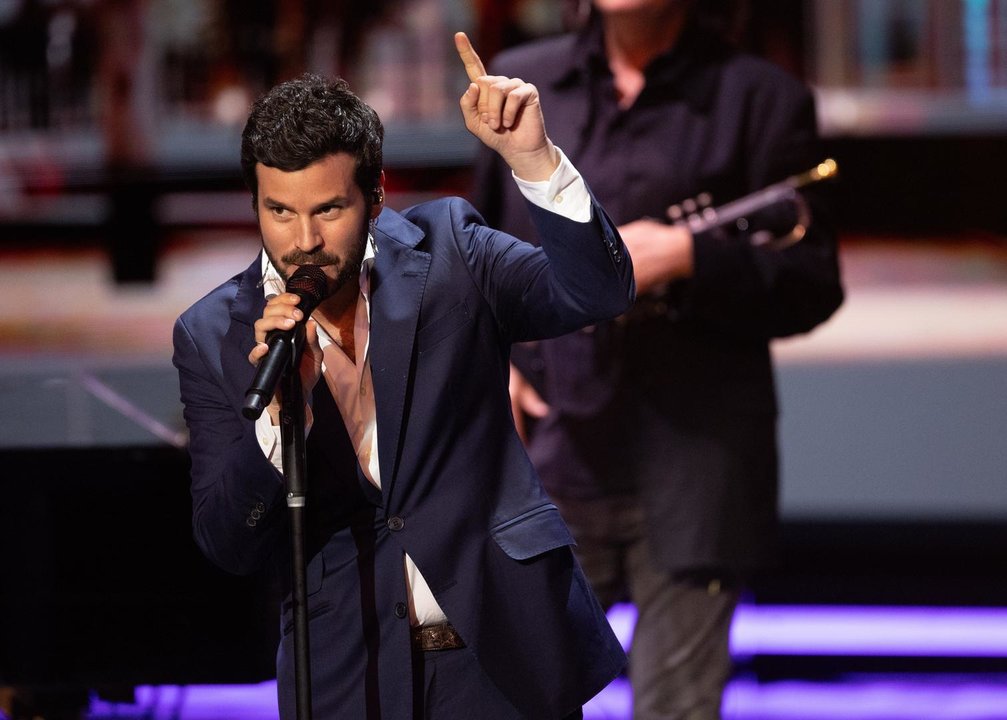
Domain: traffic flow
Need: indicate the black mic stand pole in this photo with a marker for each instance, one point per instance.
(296, 484)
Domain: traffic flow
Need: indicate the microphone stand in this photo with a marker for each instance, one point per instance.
(296, 482)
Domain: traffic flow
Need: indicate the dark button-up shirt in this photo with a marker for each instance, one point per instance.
(677, 405)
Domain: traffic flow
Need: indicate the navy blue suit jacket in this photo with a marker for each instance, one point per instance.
(459, 495)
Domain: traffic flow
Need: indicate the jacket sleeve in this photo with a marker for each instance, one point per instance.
(759, 292)
(579, 276)
(238, 513)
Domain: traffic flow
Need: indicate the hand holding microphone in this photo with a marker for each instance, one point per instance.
(282, 333)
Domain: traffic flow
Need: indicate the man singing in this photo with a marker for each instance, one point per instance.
(441, 583)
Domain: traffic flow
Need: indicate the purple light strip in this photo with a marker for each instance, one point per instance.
(921, 697)
(860, 630)
(199, 702)
(757, 629)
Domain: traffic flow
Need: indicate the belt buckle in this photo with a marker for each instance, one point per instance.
(441, 636)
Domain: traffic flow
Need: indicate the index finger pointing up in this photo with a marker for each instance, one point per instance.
(473, 65)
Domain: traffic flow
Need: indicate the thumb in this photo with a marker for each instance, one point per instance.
(524, 397)
(469, 103)
(311, 343)
(532, 403)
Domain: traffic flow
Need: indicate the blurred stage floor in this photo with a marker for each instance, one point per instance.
(863, 698)
(841, 696)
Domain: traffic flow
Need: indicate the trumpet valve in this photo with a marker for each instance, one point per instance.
(826, 169)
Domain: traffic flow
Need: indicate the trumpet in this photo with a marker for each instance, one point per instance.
(699, 215)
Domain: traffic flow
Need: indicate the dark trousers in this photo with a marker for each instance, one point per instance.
(679, 661)
(449, 685)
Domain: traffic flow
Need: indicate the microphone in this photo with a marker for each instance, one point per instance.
(308, 282)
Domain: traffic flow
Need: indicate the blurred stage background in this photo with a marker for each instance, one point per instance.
(121, 203)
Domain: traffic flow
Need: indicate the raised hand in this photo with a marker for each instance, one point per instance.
(505, 114)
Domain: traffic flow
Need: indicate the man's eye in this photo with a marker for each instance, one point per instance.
(329, 210)
(279, 211)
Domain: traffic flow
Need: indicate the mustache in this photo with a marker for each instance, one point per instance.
(299, 257)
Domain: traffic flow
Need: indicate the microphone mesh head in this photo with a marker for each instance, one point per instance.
(309, 282)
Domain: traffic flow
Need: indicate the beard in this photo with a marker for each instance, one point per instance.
(347, 267)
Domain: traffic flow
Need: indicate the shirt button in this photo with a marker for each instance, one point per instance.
(400, 610)
(558, 199)
(395, 523)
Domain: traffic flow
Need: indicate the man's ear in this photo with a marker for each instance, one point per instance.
(378, 197)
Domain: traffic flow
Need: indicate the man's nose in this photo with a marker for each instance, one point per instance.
(309, 236)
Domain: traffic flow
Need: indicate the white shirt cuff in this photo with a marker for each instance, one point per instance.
(268, 436)
(565, 193)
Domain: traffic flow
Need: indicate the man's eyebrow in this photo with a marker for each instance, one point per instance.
(335, 200)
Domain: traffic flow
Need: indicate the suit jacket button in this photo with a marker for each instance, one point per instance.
(400, 610)
(395, 523)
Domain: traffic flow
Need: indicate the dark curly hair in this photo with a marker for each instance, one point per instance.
(301, 121)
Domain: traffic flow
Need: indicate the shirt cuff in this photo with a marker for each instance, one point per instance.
(269, 439)
(564, 193)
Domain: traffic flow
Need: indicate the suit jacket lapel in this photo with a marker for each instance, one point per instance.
(398, 280)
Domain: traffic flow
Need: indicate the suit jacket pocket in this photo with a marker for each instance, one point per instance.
(440, 328)
(533, 533)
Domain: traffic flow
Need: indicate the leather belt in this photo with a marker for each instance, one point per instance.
(441, 636)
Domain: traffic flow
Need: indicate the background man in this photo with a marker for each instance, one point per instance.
(657, 437)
